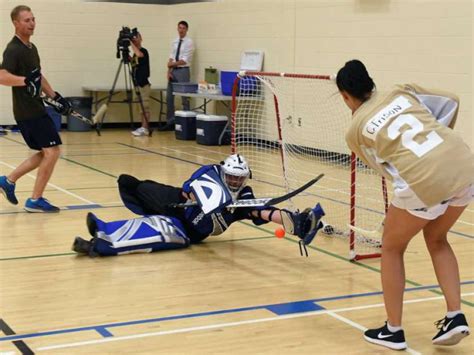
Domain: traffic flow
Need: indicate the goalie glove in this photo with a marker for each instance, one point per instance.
(304, 224)
(33, 83)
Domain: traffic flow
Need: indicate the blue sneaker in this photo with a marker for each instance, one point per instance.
(40, 205)
(8, 189)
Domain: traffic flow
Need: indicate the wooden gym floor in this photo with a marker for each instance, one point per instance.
(243, 292)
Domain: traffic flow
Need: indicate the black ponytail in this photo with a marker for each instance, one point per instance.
(355, 80)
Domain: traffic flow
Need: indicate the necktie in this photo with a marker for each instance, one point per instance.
(177, 51)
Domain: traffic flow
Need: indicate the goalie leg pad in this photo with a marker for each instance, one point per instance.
(145, 234)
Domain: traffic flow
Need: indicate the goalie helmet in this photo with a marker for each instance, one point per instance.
(235, 172)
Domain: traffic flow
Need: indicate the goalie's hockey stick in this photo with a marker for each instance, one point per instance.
(91, 121)
(259, 202)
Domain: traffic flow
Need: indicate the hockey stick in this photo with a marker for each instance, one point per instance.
(259, 202)
(91, 121)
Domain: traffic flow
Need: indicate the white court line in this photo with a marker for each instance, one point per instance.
(232, 324)
(360, 327)
(54, 186)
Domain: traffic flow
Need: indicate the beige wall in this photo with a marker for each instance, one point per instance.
(427, 42)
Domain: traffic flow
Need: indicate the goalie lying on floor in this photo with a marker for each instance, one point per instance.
(167, 226)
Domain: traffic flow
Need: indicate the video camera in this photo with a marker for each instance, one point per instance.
(124, 39)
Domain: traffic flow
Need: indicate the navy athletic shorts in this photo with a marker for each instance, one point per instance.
(39, 133)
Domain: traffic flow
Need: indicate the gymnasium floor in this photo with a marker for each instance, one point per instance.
(243, 292)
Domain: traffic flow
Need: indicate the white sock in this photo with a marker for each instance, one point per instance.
(393, 329)
(10, 182)
(453, 314)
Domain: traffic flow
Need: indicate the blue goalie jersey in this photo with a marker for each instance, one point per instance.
(201, 225)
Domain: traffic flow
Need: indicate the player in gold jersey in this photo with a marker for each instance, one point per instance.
(407, 136)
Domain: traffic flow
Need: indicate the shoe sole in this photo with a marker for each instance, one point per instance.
(453, 337)
(34, 210)
(387, 344)
(91, 224)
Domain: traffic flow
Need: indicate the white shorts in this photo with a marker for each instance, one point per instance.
(406, 199)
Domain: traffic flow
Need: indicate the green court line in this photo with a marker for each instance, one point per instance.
(88, 167)
(250, 225)
(35, 256)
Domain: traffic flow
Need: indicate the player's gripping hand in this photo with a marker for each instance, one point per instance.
(33, 83)
(63, 106)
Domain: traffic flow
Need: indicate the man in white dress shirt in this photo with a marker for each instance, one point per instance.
(179, 61)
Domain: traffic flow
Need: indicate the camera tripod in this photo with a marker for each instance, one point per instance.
(130, 87)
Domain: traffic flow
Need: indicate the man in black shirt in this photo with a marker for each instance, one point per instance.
(20, 66)
(141, 72)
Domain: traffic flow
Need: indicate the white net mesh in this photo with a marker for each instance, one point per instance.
(291, 129)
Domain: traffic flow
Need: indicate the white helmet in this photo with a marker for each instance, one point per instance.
(235, 172)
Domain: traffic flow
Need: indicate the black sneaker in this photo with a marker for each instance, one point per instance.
(81, 246)
(383, 336)
(451, 330)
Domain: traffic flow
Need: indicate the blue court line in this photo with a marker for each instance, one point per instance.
(67, 208)
(278, 309)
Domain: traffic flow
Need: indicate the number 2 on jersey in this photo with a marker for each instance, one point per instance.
(432, 139)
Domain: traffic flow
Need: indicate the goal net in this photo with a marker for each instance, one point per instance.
(291, 128)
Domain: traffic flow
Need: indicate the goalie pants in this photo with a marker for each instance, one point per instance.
(146, 234)
(150, 197)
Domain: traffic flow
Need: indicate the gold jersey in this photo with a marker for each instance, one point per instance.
(405, 136)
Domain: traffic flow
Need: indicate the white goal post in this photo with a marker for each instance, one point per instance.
(291, 127)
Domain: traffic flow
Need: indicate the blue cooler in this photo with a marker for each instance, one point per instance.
(227, 82)
(209, 128)
(185, 125)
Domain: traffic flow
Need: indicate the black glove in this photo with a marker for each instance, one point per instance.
(62, 105)
(33, 83)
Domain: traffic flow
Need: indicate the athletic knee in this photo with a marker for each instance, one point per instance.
(128, 181)
(51, 153)
(435, 244)
(392, 244)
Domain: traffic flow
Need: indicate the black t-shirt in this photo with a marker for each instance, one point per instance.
(19, 59)
(142, 69)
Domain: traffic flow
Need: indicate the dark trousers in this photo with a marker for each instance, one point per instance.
(180, 75)
(146, 197)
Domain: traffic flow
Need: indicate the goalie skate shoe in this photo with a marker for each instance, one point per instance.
(82, 246)
(451, 330)
(91, 224)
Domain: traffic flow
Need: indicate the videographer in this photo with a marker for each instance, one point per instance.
(141, 71)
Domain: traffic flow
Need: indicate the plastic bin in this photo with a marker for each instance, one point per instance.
(210, 128)
(83, 105)
(55, 116)
(249, 86)
(227, 82)
(189, 88)
(211, 76)
(185, 125)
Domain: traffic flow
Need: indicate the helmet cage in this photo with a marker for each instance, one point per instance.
(234, 173)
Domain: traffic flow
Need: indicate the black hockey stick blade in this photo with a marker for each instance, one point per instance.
(277, 200)
(257, 202)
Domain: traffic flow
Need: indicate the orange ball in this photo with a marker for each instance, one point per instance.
(279, 232)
